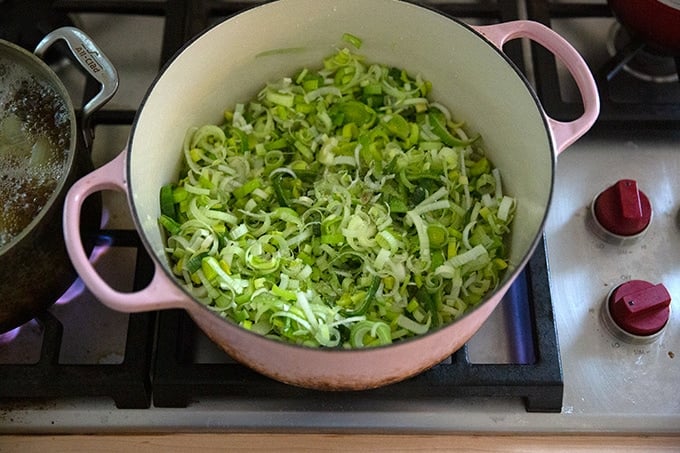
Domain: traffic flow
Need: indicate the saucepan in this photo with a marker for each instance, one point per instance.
(231, 61)
(43, 151)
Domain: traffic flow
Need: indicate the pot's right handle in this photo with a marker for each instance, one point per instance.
(161, 292)
(564, 133)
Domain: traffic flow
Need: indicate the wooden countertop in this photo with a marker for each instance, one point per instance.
(263, 442)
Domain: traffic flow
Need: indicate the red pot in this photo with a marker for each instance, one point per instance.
(656, 22)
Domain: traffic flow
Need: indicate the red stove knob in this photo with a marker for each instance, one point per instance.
(622, 213)
(637, 311)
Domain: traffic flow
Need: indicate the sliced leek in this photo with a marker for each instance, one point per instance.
(341, 207)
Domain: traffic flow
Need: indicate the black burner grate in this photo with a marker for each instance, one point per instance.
(174, 381)
(179, 380)
(626, 101)
(127, 383)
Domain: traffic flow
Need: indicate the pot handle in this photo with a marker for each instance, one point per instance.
(161, 293)
(564, 133)
(93, 60)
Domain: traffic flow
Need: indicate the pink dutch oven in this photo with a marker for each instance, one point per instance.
(469, 73)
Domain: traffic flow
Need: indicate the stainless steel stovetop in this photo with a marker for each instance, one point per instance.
(609, 385)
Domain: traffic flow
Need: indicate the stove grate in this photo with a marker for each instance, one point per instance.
(128, 383)
(626, 101)
(166, 377)
(179, 380)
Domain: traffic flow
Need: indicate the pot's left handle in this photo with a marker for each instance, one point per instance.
(161, 292)
(564, 133)
(93, 60)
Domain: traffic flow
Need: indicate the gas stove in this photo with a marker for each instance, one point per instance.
(544, 362)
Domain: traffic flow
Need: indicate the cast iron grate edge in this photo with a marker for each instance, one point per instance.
(178, 382)
(128, 383)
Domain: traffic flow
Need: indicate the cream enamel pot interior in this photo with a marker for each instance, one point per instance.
(34, 265)
(230, 62)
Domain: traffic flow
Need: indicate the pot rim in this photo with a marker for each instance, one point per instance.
(491, 297)
(44, 73)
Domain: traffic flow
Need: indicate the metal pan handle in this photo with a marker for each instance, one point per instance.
(564, 133)
(93, 60)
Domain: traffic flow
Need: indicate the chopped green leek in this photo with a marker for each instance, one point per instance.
(353, 40)
(341, 207)
(368, 299)
(167, 201)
